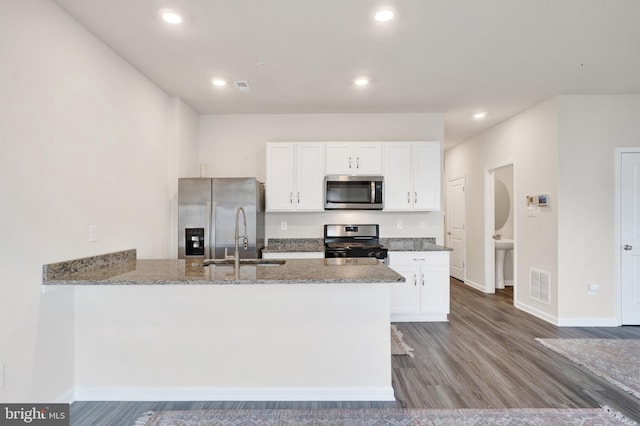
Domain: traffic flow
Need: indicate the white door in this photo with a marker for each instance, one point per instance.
(368, 158)
(397, 176)
(455, 226)
(630, 239)
(405, 297)
(280, 176)
(309, 176)
(427, 158)
(339, 158)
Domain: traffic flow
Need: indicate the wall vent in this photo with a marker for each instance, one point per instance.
(242, 86)
(540, 285)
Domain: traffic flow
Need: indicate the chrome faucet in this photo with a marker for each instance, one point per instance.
(245, 239)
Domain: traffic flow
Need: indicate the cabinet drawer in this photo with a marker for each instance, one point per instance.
(419, 258)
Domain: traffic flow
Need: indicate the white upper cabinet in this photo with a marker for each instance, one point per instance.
(353, 158)
(412, 176)
(295, 173)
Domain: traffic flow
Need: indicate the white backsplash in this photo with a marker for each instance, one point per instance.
(310, 225)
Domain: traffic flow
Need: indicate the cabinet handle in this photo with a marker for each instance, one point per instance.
(349, 162)
(298, 198)
(422, 280)
(416, 197)
(291, 198)
(408, 198)
(357, 162)
(415, 281)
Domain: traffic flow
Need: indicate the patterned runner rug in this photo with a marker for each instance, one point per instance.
(615, 360)
(384, 417)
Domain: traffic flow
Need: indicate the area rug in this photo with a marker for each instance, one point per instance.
(398, 346)
(615, 360)
(384, 417)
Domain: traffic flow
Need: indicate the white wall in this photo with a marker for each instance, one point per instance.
(590, 128)
(233, 342)
(84, 140)
(530, 141)
(234, 145)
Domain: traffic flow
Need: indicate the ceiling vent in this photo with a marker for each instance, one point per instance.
(242, 86)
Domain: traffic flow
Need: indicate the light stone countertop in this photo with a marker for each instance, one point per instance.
(294, 245)
(191, 272)
(284, 245)
(412, 244)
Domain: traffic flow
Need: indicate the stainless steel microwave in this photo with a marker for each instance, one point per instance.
(345, 192)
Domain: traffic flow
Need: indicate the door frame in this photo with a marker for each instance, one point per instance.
(619, 152)
(464, 231)
(489, 228)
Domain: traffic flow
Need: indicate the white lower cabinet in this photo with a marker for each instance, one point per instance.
(424, 296)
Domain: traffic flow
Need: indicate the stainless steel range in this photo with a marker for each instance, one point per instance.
(353, 241)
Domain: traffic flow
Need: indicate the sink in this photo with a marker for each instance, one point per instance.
(504, 244)
(501, 249)
(254, 262)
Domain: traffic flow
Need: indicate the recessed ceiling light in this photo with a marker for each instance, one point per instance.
(383, 15)
(479, 115)
(171, 17)
(218, 82)
(361, 81)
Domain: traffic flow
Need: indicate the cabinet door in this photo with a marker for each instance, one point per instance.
(397, 176)
(434, 290)
(405, 297)
(368, 158)
(280, 176)
(426, 169)
(309, 177)
(339, 158)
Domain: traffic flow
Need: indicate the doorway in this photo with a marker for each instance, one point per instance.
(456, 207)
(627, 202)
(500, 229)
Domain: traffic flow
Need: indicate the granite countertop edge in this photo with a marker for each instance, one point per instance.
(302, 245)
(169, 272)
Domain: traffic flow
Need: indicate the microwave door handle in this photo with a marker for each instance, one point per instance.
(373, 192)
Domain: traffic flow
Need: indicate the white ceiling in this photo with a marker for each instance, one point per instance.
(455, 57)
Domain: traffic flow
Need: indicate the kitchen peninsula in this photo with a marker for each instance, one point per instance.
(308, 329)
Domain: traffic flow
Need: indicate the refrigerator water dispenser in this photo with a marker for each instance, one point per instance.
(194, 241)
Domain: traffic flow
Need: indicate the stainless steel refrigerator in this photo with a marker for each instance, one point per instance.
(207, 217)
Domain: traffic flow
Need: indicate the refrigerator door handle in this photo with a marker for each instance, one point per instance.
(208, 237)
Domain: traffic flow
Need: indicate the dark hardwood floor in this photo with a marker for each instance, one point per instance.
(484, 357)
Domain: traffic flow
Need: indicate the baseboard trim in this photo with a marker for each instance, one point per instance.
(234, 394)
(66, 397)
(537, 313)
(474, 285)
(419, 318)
(588, 322)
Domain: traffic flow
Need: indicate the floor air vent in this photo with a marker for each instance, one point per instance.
(540, 285)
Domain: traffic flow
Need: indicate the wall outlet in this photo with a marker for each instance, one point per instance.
(400, 224)
(592, 289)
(93, 233)
(283, 226)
